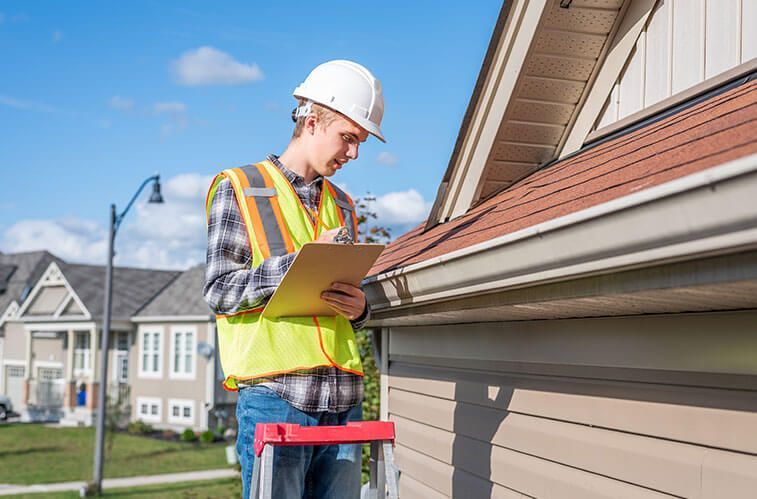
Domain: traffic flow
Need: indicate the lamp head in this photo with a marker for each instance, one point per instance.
(156, 196)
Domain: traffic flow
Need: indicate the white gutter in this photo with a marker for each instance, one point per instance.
(702, 213)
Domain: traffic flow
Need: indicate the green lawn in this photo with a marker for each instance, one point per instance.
(32, 453)
(227, 488)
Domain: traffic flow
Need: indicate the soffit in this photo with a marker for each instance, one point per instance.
(563, 57)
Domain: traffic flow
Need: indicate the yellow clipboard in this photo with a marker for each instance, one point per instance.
(315, 267)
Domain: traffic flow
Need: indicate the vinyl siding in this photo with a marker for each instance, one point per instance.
(653, 406)
(684, 43)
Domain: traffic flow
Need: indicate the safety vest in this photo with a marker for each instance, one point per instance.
(251, 346)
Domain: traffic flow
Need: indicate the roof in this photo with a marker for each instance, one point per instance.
(19, 272)
(182, 297)
(132, 288)
(709, 133)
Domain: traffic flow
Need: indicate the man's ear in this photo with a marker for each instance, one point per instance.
(311, 121)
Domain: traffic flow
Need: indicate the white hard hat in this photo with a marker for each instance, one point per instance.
(348, 88)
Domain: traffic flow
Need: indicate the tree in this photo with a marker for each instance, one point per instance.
(368, 232)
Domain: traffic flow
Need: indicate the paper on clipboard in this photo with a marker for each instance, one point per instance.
(316, 266)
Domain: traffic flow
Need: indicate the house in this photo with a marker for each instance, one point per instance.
(161, 360)
(577, 316)
(18, 274)
(177, 378)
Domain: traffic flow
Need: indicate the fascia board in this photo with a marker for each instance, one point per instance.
(491, 95)
(712, 212)
(506, 68)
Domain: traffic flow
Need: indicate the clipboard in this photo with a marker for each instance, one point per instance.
(315, 267)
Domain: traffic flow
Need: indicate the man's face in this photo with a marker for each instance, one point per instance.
(336, 144)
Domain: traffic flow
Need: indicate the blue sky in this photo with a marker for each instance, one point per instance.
(95, 96)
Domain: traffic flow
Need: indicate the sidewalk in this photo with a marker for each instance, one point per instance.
(117, 483)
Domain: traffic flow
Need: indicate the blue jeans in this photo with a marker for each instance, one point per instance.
(325, 471)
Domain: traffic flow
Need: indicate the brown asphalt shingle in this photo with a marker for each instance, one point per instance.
(710, 133)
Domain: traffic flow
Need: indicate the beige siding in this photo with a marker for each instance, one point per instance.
(623, 407)
(15, 341)
(48, 350)
(684, 43)
(47, 300)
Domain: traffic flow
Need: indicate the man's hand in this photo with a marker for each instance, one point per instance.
(345, 299)
(328, 236)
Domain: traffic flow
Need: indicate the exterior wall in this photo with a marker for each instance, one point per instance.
(647, 406)
(684, 43)
(166, 386)
(48, 350)
(15, 341)
(47, 300)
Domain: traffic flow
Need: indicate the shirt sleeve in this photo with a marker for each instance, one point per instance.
(230, 284)
(361, 321)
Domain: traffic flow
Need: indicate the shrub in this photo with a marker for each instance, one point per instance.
(207, 437)
(139, 427)
(188, 435)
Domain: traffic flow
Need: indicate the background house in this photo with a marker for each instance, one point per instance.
(161, 363)
(576, 318)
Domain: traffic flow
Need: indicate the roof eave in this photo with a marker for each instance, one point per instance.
(614, 236)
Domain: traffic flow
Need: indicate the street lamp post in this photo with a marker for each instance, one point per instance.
(115, 221)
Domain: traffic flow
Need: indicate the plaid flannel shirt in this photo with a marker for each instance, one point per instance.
(232, 286)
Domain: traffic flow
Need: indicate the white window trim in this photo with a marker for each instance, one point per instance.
(181, 403)
(86, 355)
(149, 401)
(141, 371)
(172, 374)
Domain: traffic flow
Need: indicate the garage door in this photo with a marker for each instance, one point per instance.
(14, 384)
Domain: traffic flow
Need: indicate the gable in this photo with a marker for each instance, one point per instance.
(684, 48)
(52, 296)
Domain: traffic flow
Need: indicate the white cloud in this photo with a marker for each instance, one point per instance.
(170, 107)
(74, 239)
(210, 66)
(121, 103)
(399, 211)
(57, 36)
(401, 208)
(387, 158)
(25, 105)
(168, 235)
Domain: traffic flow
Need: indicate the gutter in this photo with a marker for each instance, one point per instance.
(709, 212)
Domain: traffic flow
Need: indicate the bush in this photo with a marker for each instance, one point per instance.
(207, 437)
(188, 435)
(139, 427)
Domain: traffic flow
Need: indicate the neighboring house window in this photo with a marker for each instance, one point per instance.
(82, 352)
(183, 352)
(150, 355)
(148, 409)
(50, 373)
(121, 373)
(181, 411)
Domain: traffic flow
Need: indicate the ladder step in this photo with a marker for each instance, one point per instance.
(294, 434)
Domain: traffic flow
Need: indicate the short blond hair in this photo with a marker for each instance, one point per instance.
(325, 117)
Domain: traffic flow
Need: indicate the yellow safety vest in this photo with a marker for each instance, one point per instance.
(277, 222)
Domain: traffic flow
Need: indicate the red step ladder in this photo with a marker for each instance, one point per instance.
(379, 434)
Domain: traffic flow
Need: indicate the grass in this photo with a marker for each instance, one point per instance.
(226, 488)
(32, 453)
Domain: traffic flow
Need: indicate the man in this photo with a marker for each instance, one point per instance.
(302, 370)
